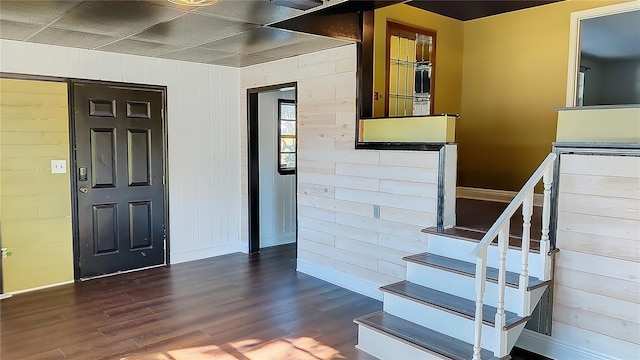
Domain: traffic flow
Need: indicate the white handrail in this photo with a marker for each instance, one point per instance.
(501, 229)
(487, 239)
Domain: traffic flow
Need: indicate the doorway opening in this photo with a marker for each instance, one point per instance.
(119, 192)
(272, 161)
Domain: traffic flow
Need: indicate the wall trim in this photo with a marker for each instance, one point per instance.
(199, 254)
(504, 196)
(343, 280)
(556, 349)
(10, 293)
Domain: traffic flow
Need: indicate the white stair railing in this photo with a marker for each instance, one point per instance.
(501, 229)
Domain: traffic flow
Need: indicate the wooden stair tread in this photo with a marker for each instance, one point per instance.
(450, 303)
(419, 336)
(475, 235)
(469, 269)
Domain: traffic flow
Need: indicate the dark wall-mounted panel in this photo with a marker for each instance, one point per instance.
(473, 9)
(105, 228)
(139, 157)
(103, 158)
(140, 225)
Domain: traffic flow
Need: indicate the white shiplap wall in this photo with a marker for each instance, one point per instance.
(203, 132)
(339, 239)
(596, 303)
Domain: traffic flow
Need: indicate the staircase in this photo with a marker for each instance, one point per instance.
(468, 296)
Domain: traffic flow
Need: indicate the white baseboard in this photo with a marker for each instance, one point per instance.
(199, 254)
(504, 196)
(346, 281)
(10, 293)
(277, 240)
(555, 349)
(5, 296)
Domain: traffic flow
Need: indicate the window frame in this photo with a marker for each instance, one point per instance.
(395, 27)
(286, 170)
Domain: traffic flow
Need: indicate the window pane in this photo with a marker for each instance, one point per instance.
(287, 111)
(288, 160)
(287, 144)
(288, 128)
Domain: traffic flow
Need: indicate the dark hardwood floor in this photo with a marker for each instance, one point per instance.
(229, 307)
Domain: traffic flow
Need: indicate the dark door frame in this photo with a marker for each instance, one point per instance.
(73, 163)
(253, 164)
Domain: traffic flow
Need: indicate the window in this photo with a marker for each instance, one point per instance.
(410, 70)
(287, 136)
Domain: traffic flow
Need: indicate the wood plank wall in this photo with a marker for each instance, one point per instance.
(597, 278)
(203, 130)
(35, 205)
(339, 186)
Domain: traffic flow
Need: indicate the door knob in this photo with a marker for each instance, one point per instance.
(83, 189)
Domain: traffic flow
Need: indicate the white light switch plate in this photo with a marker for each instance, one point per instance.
(58, 166)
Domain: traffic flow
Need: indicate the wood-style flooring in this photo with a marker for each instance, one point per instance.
(235, 306)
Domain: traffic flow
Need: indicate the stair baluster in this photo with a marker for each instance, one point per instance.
(523, 284)
(481, 280)
(503, 245)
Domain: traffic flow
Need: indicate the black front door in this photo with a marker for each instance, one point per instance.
(119, 178)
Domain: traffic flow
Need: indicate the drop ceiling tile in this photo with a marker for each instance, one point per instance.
(115, 18)
(253, 11)
(192, 29)
(196, 54)
(16, 30)
(305, 47)
(34, 12)
(240, 60)
(259, 39)
(137, 47)
(70, 38)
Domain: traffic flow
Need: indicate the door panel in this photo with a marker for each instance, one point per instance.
(119, 178)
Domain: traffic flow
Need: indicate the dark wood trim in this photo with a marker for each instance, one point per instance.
(253, 173)
(400, 146)
(365, 65)
(17, 76)
(72, 163)
(253, 164)
(280, 170)
(408, 28)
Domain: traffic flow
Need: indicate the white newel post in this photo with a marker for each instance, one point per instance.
(547, 180)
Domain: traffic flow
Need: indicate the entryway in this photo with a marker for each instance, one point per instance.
(272, 127)
(120, 207)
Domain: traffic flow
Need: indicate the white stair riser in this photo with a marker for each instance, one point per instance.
(439, 320)
(461, 285)
(461, 250)
(383, 346)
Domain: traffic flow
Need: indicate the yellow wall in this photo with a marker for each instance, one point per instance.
(409, 129)
(35, 205)
(448, 64)
(599, 125)
(514, 76)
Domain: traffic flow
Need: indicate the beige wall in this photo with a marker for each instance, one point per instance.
(35, 205)
(597, 276)
(448, 63)
(514, 76)
(338, 237)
